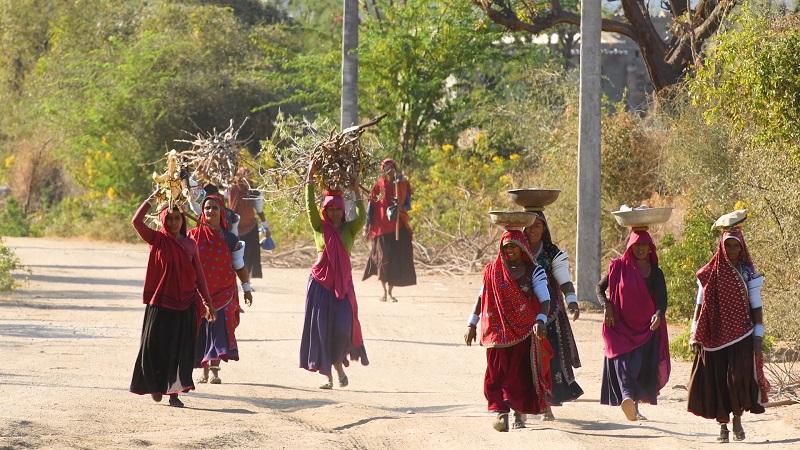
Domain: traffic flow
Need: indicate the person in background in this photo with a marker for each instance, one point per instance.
(221, 255)
(176, 294)
(512, 310)
(331, 329)
(559, 332)
(727, 337)
(247, 202)
(392, 255)
(636, 364)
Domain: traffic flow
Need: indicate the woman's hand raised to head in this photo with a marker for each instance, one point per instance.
(313, 166)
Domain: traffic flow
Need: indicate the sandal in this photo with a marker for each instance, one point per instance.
(548, 416)
(215, 379)
(639, 416)
(343, 381)
(501, 422)
(383, 298)
(723, 436)
(175, 401)
(738, 435)
(519, 421)
(327, 385)
(629, 408)
(394, 300)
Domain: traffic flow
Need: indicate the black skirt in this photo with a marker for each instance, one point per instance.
(392, 260)
(166, 352)
(724, 382)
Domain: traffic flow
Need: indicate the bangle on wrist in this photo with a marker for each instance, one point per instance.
(473, 320)
(570, 297)
(246, 287)
(758, 330)
(541, 318)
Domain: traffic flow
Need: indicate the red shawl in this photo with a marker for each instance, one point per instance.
(507, 314)
(215, 257)
(334, 271)
(381, 199)
(170, 280)
(633, 306)
(725, 313)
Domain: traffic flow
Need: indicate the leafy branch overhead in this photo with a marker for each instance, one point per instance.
(666, 59)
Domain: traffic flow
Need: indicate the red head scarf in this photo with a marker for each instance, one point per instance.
(508, 315)
(170, 280)
(215, 256)
(633, 306)
(334, 271)
(725, 313)
(388, 162)
(223, 221)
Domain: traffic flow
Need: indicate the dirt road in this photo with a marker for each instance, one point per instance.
(70, 336)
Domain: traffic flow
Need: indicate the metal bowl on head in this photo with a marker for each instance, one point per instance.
(512, 219)
(642, 217)
(534, 197)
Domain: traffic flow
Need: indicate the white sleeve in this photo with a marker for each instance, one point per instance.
(699, 299)
(238, 256)
(561, 268)
(539, 282)
(754, 292)
(258, 203)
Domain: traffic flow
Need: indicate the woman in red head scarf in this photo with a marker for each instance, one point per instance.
(392, 255)
(727, 331)
(636, 364)
(173, 281)
(331, 330)
(222, 258)
(512, 310)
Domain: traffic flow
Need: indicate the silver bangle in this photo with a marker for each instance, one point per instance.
(246, 287)
(758, 330)
(473, 320)
(541, 318)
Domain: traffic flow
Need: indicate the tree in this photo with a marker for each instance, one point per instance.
(666, 61)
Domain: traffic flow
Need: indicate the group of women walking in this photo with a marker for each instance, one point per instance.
(196, 271)
(523, 310)
(527, 298)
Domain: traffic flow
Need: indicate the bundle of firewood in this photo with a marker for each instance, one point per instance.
(340, 158)
(214, 158)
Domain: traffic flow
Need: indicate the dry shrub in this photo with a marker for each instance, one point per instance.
(36, 177)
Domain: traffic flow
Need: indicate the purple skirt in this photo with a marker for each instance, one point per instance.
(213, 342)
(633, 374)
(327, 330)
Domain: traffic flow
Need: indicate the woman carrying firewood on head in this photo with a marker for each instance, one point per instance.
(174, 289)
(392, 255)
(331, 330)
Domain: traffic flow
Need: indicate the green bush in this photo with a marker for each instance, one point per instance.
(9, 262)
(13, 221)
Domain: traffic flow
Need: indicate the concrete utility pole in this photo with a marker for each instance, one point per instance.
(349, 104)
(588, 240)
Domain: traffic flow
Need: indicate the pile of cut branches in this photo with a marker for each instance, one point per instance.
(215, 157)
(340, 157)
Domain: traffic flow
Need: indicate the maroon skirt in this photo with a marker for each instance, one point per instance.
(724, 382)
(392, 260)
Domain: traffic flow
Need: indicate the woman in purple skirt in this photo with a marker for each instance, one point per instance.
(636, 364)
(331, 330)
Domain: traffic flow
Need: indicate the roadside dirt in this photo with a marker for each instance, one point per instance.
(70, 336)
